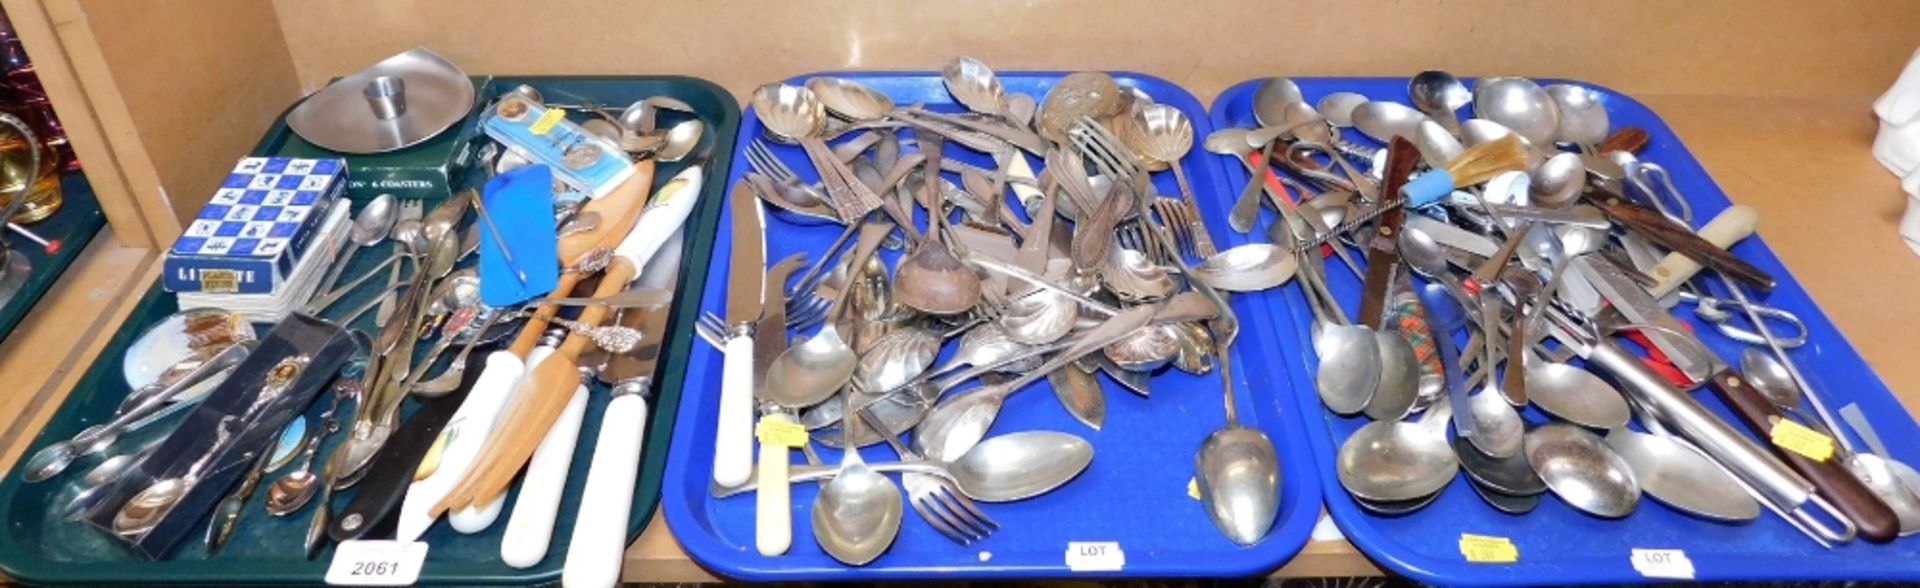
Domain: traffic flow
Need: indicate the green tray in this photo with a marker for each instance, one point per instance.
(74, 225)
(37, 547)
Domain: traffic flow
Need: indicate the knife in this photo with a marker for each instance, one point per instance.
(1655, 227)
(773, 512)
(594, 551)
(1383, 251)
(733, 440)
(530, 527)
(1641, 308)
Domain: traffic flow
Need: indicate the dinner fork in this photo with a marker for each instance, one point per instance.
(937, 499)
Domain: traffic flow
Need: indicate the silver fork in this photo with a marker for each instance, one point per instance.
(761, 158)
(1174, 215)
(937, 500)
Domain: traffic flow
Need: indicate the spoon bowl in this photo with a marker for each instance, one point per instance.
(1519, 104)
(1349, 369)
(1270, 100)
(1385, 120)
(1582, 471)
(681, 139)
(1022, 465)
(1558, 181)
(1338, 107)
(1498, 429)
(1438, 93)
(1679, 476)
(850, 100)
(1238, 474)
(974, 85)
(1247, 268)
(857, 515)
(1576, 396)
(1399, 385)
(811, 372)
(1583, 119)
(789, 112)
(1388, 461)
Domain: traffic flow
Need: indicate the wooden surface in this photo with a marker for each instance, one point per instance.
(62, 335)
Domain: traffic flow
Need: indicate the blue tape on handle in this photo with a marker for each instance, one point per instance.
(520, 203)
(1427, 188)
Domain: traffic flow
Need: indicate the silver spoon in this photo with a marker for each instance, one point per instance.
(1383, 120)
(296, 488)
(1583, 119)
(958, 423)
(850, 100)
(1770, 377)
(370, 227)
(1519, 104)
(1681, 477)
(811, 372)
(1509, 476)
(975, 86)
(1146, 349)
(1558, 181)
(1349, 368)
(1394, 460)
(856, 516)
(1439, 94)
(1576, 395)
(681, 139)
(1581, 470)
(1887, 477)
(1338, 107)
(1270, 100)
(1247, 268)
(1079, 392)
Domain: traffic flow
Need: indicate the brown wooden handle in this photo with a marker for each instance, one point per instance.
(537, 324)
(1630, 139)
(1874, 520)
(1383, 252)
(1653, 225)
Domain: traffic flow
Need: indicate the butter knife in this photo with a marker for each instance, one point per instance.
(594, 551)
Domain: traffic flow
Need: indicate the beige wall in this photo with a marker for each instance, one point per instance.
(1637, 46)
(201, 79)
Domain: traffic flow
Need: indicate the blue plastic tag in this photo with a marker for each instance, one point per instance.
(519, 204)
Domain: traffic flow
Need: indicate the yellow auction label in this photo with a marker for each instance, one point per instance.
(782, 432)
(547, 119)
(1193, 488)
(1797, 438)
(1488, 549)
(219, 281)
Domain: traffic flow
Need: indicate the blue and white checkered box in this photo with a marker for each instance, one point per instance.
(257, 225)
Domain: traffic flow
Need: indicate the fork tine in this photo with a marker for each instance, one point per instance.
(961, 505)
(939, 522)
(928, 492)
(775, 165)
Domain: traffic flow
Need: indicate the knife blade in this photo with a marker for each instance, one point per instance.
(594, 551)
(1639, 307)
(746, 267)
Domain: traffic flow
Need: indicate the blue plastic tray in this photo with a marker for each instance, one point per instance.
(1558, 545)
(1135, 492)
